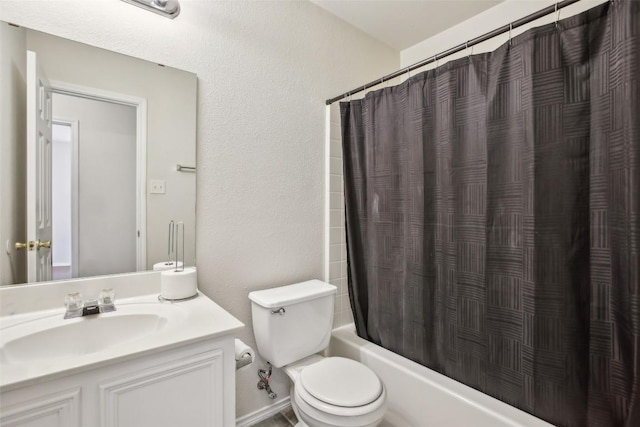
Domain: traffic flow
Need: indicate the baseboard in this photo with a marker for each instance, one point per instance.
(262, 413)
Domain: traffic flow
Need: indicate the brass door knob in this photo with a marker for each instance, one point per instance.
(30, 245)
(40, 244)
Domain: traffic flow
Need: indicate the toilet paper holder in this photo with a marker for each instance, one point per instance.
(243, 361)
(244, 354)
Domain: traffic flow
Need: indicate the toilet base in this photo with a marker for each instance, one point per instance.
(313, 418)
(309, 420)
(300, 423)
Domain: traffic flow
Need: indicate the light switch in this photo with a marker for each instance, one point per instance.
(157, 186)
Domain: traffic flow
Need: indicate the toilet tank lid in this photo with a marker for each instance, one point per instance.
(292, 294)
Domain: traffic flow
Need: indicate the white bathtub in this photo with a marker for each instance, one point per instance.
(420, 397)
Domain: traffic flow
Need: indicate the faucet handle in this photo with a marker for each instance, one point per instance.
(107, 300)
(74, 305)
(73, 301)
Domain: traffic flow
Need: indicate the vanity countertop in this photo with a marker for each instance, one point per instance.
(41, 345)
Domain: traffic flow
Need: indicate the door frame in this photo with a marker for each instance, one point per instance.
(140, 104)
(73, 124)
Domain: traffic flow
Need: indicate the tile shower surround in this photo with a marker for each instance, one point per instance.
(337, 241)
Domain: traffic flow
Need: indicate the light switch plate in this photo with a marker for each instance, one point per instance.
(157, 186)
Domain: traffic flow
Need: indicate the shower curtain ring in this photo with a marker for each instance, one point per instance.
(557, 15)
(470, 51)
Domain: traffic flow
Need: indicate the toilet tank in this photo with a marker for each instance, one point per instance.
(292, 322)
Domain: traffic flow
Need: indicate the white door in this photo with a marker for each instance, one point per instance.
(39, 136)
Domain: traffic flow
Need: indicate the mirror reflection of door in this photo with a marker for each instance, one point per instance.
(165, 101)
(94, 143)
(39, 156)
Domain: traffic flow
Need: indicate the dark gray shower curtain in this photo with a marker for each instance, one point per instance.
(493, 218)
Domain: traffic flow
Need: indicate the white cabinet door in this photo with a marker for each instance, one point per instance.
(59, 409)
(183, 392)
(192, 385)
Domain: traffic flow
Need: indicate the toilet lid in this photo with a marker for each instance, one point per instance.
(341, 382)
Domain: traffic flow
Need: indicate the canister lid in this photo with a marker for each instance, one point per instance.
(292, 294)
(341, 382)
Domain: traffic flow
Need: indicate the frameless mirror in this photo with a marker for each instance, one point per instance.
(97, 156)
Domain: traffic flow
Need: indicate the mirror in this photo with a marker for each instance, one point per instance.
(114, 159)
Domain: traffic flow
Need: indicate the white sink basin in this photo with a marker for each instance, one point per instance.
(51, 337)
(40, 344)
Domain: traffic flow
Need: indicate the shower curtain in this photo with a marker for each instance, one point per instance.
(493, 218)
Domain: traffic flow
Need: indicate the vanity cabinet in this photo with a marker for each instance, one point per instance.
(190, 385)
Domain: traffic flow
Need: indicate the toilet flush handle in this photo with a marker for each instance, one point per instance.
(280, 311)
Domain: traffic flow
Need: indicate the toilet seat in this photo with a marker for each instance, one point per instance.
(341, 382)
(340, 387)
(304, 399)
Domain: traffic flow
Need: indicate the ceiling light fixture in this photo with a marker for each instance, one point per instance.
(167, 8)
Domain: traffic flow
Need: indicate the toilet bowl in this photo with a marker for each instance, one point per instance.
(334, 391)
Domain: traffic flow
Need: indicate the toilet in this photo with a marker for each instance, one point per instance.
(291, 325)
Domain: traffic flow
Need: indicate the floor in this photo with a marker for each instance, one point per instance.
(284, 418)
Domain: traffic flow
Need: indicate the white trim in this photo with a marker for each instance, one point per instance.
(141, 185)
(32, 108)
(140, 104)
(263, 413)
(94, 93)
(327, 190)
(75, 231)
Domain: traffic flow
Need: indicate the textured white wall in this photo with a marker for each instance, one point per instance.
(264, 70)
(107, 183)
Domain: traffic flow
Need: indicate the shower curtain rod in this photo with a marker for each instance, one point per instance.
(491, 34)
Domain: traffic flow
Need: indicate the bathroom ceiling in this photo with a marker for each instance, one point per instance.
(403, 23)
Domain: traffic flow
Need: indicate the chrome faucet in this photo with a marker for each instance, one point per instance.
(78, 308)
